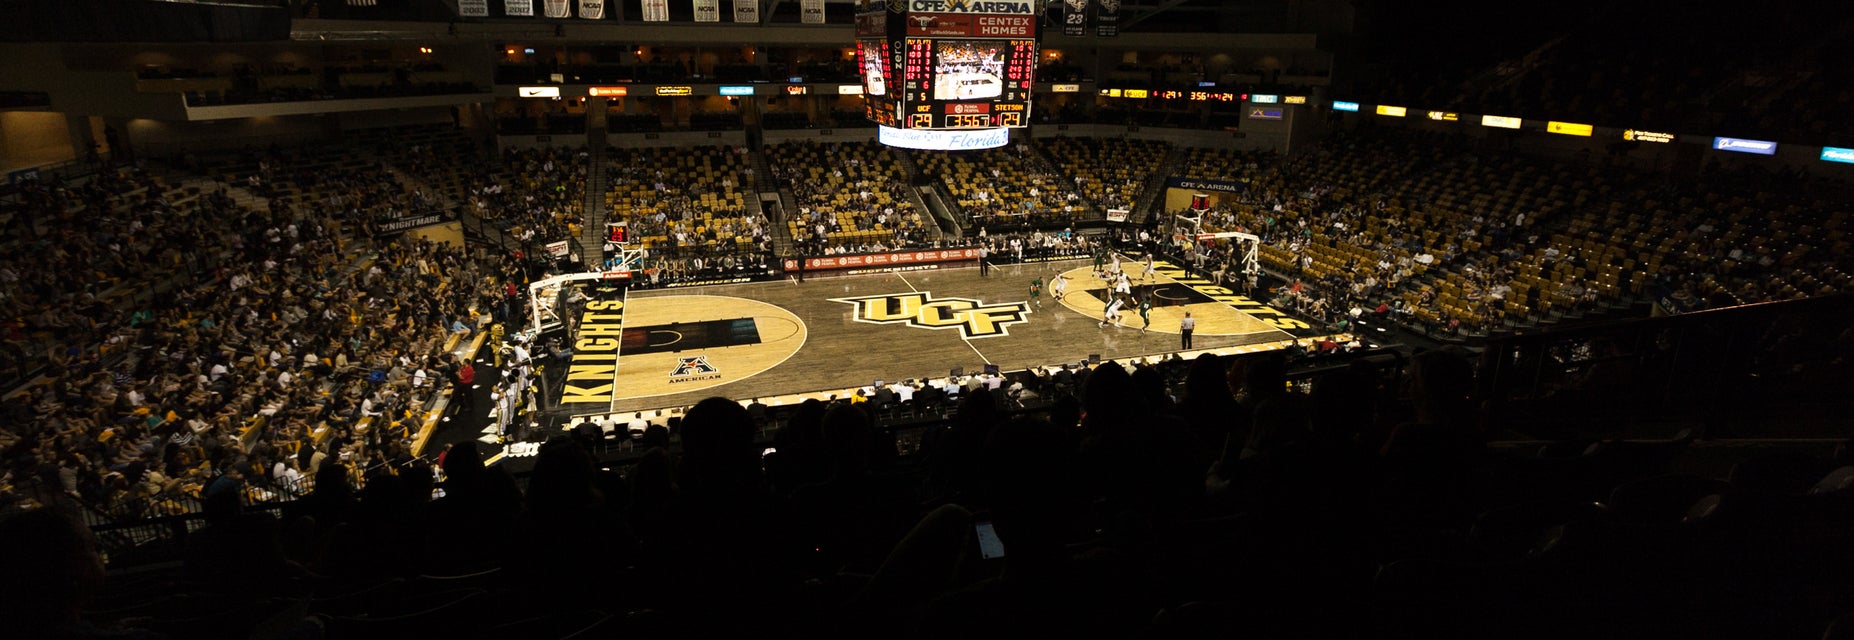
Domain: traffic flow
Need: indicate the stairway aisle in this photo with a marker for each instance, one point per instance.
(1093, 212)
(1152, 194)
(592, 237)
(765, 188)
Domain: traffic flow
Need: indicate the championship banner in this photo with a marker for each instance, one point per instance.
(473, 8)
(746, 10)
(592, 9)
(557, 8)
(812, 11)
(1075, 18)
(1107, 19)
(522, 8)
(363, 3)
(707, 10)
(656, 10)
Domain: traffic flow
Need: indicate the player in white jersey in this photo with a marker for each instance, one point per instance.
(1112, 313)
(1122, 286)
(1061, 286)
(1148, 264)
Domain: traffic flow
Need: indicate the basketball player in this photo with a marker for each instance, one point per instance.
(1122, 286)
(1145, 313)
(1036, 292)
(1061, 285)
(1148, 264)
(1112, 313)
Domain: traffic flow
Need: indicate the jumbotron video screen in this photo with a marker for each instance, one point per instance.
(950, 66)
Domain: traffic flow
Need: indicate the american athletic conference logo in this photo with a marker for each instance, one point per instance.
(692, 368)
(920, 309)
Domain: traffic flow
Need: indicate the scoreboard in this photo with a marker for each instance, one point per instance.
(947, 64)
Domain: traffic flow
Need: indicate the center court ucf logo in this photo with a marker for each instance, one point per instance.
(920, 309)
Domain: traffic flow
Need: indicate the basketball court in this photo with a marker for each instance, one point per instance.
(768, 339)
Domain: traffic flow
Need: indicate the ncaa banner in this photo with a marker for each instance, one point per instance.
(707, 10)
(592, 9)
(656, 10)
(473, 8)
(523, 8)
(746, 10)
(363, 3)
(1107, 19)
(557, 8)
(812, 11)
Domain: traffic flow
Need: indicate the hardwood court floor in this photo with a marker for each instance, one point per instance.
(857, 329)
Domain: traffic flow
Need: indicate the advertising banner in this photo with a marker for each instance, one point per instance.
(1569, 128)
(969, 25)
(408, 224)
(1741, 145)
(1199, 184)
(1014, 7)
(931, 140)
(895, 259)
(1502, 122)
(1638, 135)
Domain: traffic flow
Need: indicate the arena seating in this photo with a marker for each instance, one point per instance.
(686, 201)
(58, 294)
(857, 191)
(1485, 242)
(537, 195)
(1011, 186)
(1109, 172)
(1227, 165)
(438, 158)
(255, 347)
